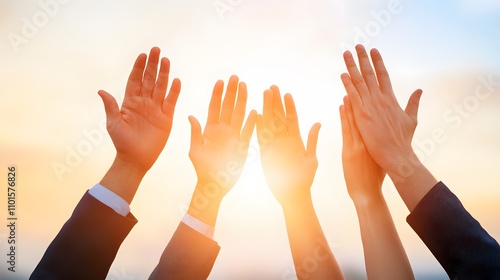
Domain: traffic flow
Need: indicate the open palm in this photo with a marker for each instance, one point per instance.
(288, 167)
(218, 155)
(141, 127)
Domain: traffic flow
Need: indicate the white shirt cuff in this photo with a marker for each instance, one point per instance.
(110, 199)
(199, 226)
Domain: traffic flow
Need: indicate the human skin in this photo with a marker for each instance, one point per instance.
(364, 180)
(386, 129)
(219, 152)
(289, 169)
(141, 127)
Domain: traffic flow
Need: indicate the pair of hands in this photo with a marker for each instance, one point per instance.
(219, 154)
(376, 132)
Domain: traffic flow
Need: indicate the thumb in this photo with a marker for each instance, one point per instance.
(196, 137)
(110, 106)
(312, 140)
(412, 107)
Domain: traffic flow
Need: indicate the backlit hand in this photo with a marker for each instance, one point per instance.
(288, 167)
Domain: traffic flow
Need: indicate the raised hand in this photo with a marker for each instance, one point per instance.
(288, 167)
(140, 128)
(363, 176)
(386, 129)
(364, 179)
(219, 153)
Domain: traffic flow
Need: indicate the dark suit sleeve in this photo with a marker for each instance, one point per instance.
(462, 247)
(188, 255)
(87, 243)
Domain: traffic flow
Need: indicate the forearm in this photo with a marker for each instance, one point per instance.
(379, 234)
(123, 179)
(412, 180)
(205, 205)
(311, 253)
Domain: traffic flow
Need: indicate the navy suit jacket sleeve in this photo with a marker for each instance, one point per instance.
(87, 243)
(188, 255)
(462, 247)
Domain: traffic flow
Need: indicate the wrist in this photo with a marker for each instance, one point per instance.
(296, 206)
(205, 204)
(123, 179)
(413, 183)
(403, 165)
(131, 164)
(368, 201)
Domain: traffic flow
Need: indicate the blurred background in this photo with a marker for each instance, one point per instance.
(55, 56)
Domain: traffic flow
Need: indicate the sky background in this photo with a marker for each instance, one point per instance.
(50, 74)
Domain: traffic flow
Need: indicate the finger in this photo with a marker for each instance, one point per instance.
(263, 136)
(346, 130)
(214, 107)
(149, 80)
(169, 103)
(356, 78)
(247, 131)
(239, 110)
(161, 85)
(352, 92)
(110, 107)
(355, 136)
(312, 140)
(267, 114)
(278, 121)
(134, 83)
(228, 103)
(367, 70)
(277, 103)
(291, 116)
(412, 106)
(260, 129)
(383, 78)
(196, 136)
